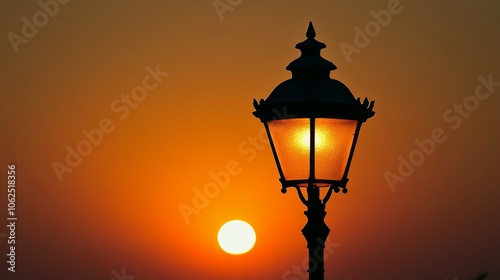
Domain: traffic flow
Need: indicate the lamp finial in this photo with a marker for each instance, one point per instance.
(310, 34)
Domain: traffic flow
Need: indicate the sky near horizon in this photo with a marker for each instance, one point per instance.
(131, 130)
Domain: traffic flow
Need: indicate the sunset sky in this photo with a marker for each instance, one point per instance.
(130, 125)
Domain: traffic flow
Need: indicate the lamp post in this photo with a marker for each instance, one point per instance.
(313, 123)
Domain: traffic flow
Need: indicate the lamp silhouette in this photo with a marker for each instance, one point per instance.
(313, 123)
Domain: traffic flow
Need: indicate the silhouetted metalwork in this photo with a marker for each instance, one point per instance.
(317, 102)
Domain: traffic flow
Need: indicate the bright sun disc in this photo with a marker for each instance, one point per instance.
(236, 237)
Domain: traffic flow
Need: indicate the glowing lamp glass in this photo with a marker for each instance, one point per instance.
(333, 139)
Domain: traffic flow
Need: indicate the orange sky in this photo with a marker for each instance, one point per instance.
(169, 86)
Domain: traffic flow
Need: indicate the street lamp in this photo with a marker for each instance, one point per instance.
(313, 123)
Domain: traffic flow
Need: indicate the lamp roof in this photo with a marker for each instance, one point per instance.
(311, 92)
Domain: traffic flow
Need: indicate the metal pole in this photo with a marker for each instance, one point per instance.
(315, 232)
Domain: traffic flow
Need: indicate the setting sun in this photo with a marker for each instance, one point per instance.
(155, 139)
(236, 237)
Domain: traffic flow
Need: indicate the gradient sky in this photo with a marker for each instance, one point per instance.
(119, 207)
